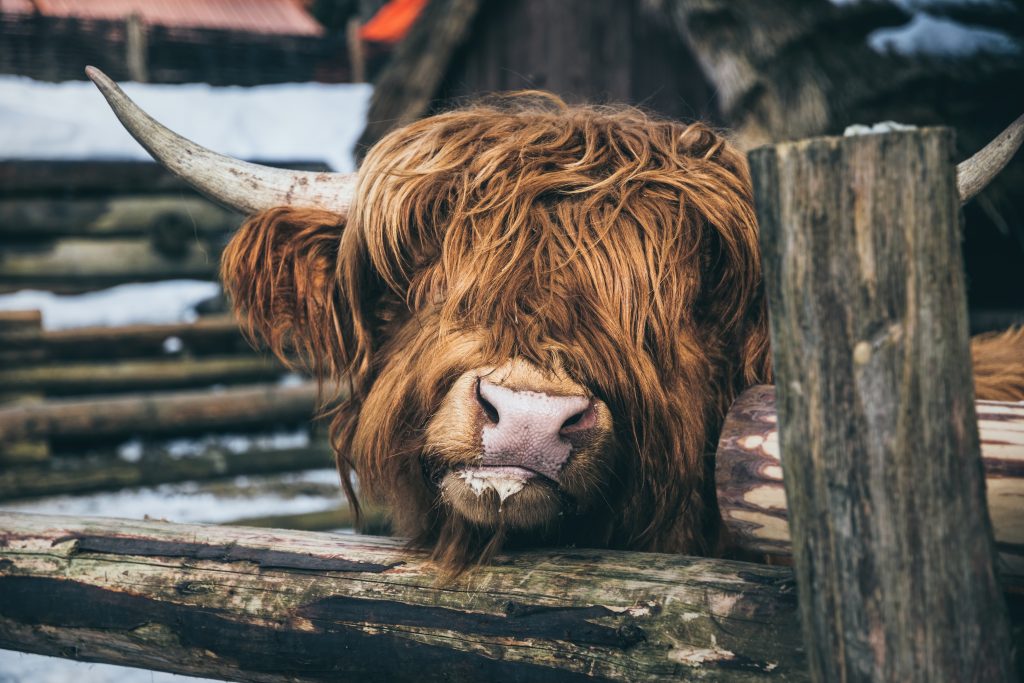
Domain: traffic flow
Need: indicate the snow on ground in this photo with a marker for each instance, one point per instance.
(938, 37)
(934, 36)
(17, 667)
(169, 301)
(133, 450)
(188, 502)
(291, 121)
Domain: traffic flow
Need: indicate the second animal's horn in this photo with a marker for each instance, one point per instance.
(245, 187)
(975, 173)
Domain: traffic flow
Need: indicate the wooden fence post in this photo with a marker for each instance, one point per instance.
(891, 538)
(136, 48)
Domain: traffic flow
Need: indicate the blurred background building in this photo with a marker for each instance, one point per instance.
(109, 302)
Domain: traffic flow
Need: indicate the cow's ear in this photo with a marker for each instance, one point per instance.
(280, 271)
(733, 292)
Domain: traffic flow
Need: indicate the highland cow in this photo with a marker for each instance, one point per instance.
(541, 313)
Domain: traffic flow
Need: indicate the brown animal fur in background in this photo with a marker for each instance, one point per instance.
(592, 252)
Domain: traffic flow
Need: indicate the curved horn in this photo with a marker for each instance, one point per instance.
(975, 173)
(247, 188)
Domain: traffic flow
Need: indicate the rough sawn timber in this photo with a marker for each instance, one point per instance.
(267, 605)
(752, 498)
(892, 542)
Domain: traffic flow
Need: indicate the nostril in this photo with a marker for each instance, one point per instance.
(580, 421)
(573, 420)
(489, 410)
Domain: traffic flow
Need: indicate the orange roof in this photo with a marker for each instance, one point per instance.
(252, 16)
(392, 21)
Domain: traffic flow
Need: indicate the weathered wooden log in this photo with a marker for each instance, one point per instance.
(209, 335)
(40, 218)
(373, 520)
(180, 412)
(84, 178)
(76, 379)
(892, 542)
(74, 264)
(752, 498)
(86, 474)
(20, 334)
(24, 452)
(22, 339)
(255, 605)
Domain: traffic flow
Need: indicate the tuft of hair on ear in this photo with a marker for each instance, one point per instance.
(280, 271)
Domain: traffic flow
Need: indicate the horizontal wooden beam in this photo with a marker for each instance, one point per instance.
(179, 412)
(372, 520)
(88, 473)
(77, 379)
(266, 605)
(22, 337)
(209, 335)
(84, 178)
(76, 264)
(748, 475)
(38, 218)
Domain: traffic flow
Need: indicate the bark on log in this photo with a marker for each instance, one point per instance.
(74, 264)
(752, 498)
(22, 338)
(373, 520)
(210, 335)
(20, 334)
(157, 414)
(892, 540)
(249, 604)
(39, 218)
(85, 178)
(76, 379)
(86, 474)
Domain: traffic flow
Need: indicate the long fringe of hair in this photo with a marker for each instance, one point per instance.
(619, 247)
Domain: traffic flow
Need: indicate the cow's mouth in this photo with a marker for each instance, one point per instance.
(505, 481)
(493, 495)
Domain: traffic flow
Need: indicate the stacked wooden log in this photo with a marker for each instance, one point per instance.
(75, 226)
(70, 399)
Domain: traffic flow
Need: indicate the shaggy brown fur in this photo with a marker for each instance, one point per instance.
(599, 245)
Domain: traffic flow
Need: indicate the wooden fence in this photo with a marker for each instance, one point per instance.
(69, 398)
(892, 540)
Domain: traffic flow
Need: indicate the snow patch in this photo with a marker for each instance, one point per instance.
(194, 502)
(877, 128)
(170, 301)
(238, 443)
(18, 667)
(71, 120)
(932, 36)
(938, 37)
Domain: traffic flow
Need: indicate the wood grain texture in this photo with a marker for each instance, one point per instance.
(80, 474)
(209, 335)
(84, 178)
(177, 412)
(41, 217)
(76, 264)
(265, 605)
(892, 540)
(752, 497)
(58, 378)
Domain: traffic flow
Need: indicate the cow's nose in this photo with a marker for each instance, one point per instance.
(531, 429)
